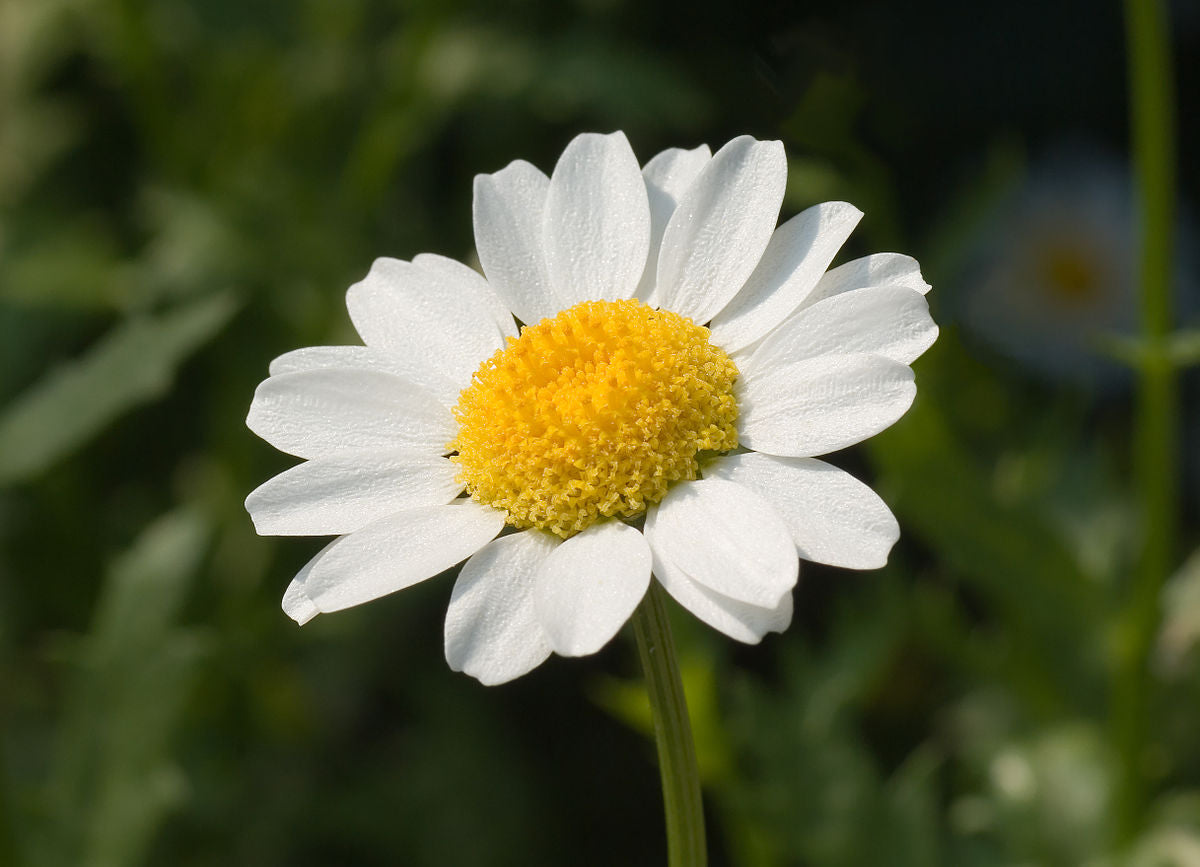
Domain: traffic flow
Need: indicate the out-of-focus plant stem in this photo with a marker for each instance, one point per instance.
(1156, 444)
(672, 733)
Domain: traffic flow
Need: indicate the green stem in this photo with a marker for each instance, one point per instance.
(1156, 445)
(672, 733)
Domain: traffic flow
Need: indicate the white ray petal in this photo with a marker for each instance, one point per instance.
(327, 412)
(492, 632)
(398, 551)
(668, 176)
(891, 321)
(822, 404)
(721, 227)
(596, 226)
(832, 516)
(727, 538)
(798, 254)
(339, 494)
(441, 325)
(739, 620)
(507, 212)
(590, 585)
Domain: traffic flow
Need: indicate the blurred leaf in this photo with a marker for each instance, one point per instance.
(1047, 609)
(146, 587)
(1051, 794)
(114, 781)
(1181, 351)
(192, 247)
(914, 807)
(811, 180)
(627, 701)
(1181, 615)
(808, 777)
(577, 71)
(1184, 347)
(1167, 847)
(134, 363)
(76, 266)
(35, 128)
(30, 139)
(1173, 836)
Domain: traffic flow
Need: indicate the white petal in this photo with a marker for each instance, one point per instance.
(492, 632)
(596, 227)
(891, 321)
(327, 412)
(727, 538)
(721, 227)
(507, 212)
(398, 551)
(443, 326)
(667, 178)
(366, 358)
(587, 588)
(738, 620)
(473, 284)
(833, 517)
(298, 606)
(798, 254)
(296, 603)
(339, 494)
(878, 269)
(822, 404)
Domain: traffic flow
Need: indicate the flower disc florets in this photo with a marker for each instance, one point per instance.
(593, 413)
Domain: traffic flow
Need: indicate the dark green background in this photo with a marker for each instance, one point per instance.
(186, 190)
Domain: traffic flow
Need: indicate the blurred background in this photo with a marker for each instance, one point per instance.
(187, 187)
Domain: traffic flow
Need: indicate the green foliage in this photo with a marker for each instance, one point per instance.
(186, 190)
(809, 778)
(133, 363)
(114, 779)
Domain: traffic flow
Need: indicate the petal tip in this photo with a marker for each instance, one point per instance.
(299, 607)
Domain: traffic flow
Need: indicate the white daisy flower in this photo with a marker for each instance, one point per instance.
(616, 435)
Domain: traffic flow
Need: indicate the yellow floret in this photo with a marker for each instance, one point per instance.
(592, 414)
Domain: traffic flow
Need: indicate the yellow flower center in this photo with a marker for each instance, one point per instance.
(1071, 274)
(592, 414)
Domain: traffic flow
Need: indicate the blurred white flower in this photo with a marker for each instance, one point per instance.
(1055, 271)
(603, 410)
